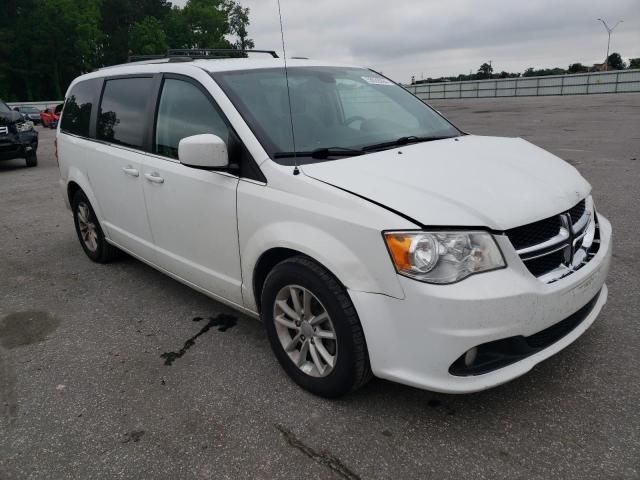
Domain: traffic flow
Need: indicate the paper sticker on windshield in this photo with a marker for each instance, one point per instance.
(377, 81)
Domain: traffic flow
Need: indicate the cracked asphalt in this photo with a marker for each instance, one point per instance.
(85, 391)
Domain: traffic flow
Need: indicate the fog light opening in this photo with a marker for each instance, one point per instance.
(470, 356)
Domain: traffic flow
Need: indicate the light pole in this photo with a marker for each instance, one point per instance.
(609, 31)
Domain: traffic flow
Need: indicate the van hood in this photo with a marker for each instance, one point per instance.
(470, 181)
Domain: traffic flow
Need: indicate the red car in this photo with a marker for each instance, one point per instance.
(49, 118)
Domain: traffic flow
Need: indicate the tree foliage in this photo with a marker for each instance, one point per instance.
(485, 70)
(577, 68)
(45, 44)
(615, 62)
(147, 37)
(634, 63)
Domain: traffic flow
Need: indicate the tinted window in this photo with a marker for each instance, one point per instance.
(185, 111)
(121, 118)
(3, 107)
(77, 109)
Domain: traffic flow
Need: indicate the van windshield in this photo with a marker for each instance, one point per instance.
(338, 112)
(4, 108)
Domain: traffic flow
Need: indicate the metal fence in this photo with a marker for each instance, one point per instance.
(579, 84)
(38, 105)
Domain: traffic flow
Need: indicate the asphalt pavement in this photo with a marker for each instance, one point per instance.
(105, 374)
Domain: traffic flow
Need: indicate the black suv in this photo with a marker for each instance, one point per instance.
(18, 139)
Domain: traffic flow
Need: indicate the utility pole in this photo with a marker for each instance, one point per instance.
(609, 31)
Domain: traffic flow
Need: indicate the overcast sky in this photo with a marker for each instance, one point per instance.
(447, 37)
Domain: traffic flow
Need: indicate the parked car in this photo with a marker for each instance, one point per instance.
(370, 235)
(49, 118)
(18, 139)
(30, 113)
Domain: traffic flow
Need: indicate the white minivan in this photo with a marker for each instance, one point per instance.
(370, 235)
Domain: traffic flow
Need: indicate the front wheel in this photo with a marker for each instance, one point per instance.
(32, 159)
(314, 329)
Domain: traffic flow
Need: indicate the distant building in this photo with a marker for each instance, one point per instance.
(599, 67)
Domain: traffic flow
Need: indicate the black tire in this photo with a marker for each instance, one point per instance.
(352, 369)
(104, 252)
(32, 159)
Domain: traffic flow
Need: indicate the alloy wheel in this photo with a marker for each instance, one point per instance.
(305, 330)
(88, 228)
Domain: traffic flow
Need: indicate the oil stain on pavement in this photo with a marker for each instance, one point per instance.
(16, 330)
(24, 328)
(223, 321)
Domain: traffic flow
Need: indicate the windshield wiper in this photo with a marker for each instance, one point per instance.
(322, 153)
(403, 141)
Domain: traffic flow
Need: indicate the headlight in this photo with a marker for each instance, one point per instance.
(443, 257)
(24, 127)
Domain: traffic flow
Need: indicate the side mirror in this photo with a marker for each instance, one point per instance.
(16, 109)
(203, 151)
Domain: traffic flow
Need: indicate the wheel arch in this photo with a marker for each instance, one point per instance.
(72, 189)
(76, 181)
(268, 260)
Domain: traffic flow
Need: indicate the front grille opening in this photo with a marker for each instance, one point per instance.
(534, 233)
(542, 260)
(576, 212)
(541, 265)
(500, 353)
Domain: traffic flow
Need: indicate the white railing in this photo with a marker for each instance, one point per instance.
(580, 84)
(38, 105)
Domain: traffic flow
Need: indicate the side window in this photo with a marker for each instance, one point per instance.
(122, 114)
(185, 111)
(76, 114)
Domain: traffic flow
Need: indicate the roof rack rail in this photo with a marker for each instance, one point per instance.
(194, 53)
(215, 52)
(141, 58)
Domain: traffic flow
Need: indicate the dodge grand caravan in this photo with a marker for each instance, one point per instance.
(370, 235)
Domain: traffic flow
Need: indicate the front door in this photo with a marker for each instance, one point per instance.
(192, 212)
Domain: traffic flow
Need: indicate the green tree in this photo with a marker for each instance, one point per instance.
(238, 23)
(634, 63)
(66, 34)
(147, 37)
(485, 70)
(45, 44)
(577, 68)
(207, 24)
(615, 62)
(117, 20)
(175, 27)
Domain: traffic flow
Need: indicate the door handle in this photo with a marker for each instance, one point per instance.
(131, 171)
(154, 177)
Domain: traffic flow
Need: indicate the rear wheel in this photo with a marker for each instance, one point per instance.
(314, 329)
(89, 231)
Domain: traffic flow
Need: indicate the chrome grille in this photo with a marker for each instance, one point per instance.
(558, 246)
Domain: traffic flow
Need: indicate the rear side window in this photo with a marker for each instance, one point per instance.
(77, 109)
(185, 111)
(122, 114)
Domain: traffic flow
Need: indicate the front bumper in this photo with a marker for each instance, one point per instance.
(416, 340)
(15, 145)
